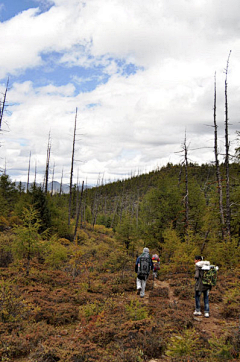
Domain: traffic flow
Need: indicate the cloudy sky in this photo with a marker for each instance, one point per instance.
(140, 73)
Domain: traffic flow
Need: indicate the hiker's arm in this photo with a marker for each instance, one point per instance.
(196, 276)
(151, 264)
(136, 266)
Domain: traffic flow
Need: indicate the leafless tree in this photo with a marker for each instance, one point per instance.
(47, 163)
(186, 184)
(35, 174)
(3, 104)
(29, 166)
(52, 178)
(61, 184)
(228, 208)
(78, 211)
(71, 173)
(218, 174)
(96, 201)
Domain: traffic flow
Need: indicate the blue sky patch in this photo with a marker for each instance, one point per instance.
(85, 79)
(10, 8)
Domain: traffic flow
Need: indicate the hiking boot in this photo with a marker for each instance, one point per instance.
(197, 313)
(139, 291)
(141, 296)
(206, 314)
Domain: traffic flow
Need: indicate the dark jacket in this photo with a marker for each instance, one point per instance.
(199, 286)
(146, 255)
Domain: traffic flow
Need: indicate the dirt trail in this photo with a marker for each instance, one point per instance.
(160, 284)
(212, 326)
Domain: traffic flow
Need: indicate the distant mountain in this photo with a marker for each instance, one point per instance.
(55, 187)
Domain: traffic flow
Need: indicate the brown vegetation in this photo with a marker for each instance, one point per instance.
(50, 316)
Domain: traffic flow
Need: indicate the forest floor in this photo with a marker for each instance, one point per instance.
(86, 318)
(215, 325)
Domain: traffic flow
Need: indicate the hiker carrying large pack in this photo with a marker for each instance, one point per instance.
(205, 277)
(142, 268)
(156, 265)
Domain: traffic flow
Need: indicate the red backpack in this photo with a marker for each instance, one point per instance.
(156, 262)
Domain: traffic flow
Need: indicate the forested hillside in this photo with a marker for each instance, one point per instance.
(68, 291)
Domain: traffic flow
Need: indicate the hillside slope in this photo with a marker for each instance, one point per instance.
(97, 315)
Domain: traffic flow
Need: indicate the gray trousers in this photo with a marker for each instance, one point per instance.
(141, 284)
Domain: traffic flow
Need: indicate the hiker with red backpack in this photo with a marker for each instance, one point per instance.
(142, 268)
(156, 265)
(205, 277)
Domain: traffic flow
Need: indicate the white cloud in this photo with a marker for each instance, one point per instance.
(135, 122)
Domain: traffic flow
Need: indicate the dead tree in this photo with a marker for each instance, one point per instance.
(77, 192)
(3, 104)
(96, 201)
(78, 211)
(47, 163)
(186, 185)
(29, 165)
(218, 174)
(35, 174)
(52, 179)
(228, 208)
(61, 184)
(71, 173)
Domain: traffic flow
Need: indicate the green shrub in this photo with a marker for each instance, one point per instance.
(135, 311)
(90, 309)
(220, 349)
(183, 345)
(13, 307)
(55, 255)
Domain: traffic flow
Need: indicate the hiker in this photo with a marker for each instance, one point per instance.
(156, 265)
(200, 287)
(142, 268)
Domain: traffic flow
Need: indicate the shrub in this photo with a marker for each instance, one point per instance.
(135, 311)
(90, 309)
(4, 224)
(220, 349)
(183, 345)
(55, 255)
(13, 307)
(6, 256)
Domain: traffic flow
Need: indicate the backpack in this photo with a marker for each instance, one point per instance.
(210, 275)
(143, 266)
(156, 262)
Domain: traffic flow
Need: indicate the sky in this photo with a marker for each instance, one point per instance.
(140, 74)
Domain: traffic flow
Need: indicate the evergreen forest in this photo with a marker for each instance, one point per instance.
(68, 286)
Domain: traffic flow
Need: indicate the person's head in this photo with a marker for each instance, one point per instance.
(145, 250)
(198, 258)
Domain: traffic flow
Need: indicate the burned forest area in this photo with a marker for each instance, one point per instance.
(68, 289)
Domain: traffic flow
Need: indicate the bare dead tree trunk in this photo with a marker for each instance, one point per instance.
(137, 208)
(78, 211)
(35, 174)
(71, 173)
(218, 174)
(29, 164)
(47, 163)
(77, 192)
(228, 209)
(96, 201)
(52, 178)
(61, 185)
(3, 104)
(115, 211)
(186, 186)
